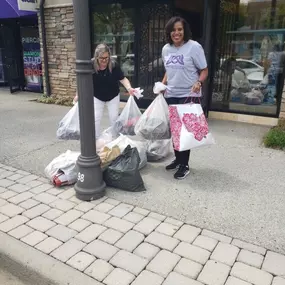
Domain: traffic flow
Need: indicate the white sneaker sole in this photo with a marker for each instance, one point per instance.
(181, 178)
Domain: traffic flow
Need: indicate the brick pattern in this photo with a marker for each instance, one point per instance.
(116, 243)
(282, 109)
(60, 34)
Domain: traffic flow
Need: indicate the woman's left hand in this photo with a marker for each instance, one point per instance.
(131, 91)
(196, 88)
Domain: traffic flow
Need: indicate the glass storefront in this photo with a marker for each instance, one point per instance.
(250, 57)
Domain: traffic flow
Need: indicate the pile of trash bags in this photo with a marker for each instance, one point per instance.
(124, 148)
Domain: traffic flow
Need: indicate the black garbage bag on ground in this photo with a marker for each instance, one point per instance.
(123, 172)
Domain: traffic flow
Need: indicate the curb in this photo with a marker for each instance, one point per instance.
(34, 267)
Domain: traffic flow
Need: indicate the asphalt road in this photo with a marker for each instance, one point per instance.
(236, 187)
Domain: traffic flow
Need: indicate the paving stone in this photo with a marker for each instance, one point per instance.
(22, 172)
(205, 242)
(21, 198)
(251, 274)
(11, 210)
(67, 194)
(9, 168)
(214, 273)
(56, 191)
(3, 202)
(141, 211)
(34, 183)
(45, 198)
(119, 224)
(188, 268)
(44, 180)
(129, 262)
(15, 177)
(19, 188)
(48, 245)
(274, 263)
(250, 258)
(163, 263)
(225, 253)
(20, 231)
(98, 201)
(146, 250)
(119, 277)
(75, 200)
(219, 237)
(81, 261)
(90, 233)
(52, 214)
(248, 246)
(2, 190)
(13, 223)
(162, 241)
(157, 216)
(36, 211)
(110, 236)
(3, 218)
(104, 207)
(149, 278)
(130, 241)
(99, 269)
(192, 252)
(61, 233)
(112, 202)
(167, 229)
(5, 174)
(133, 217)
(235, 281)
(63, 205)
(96, 217)
(84, 207)
(278, 281)
(187, 233)
(79, 225)
(177, 279)
(147, 225)
(6, 182)
(28, 204)
(34, 238)
(27, 178)
(173, 222)
(8, 194)
(68, 249)
(121, 210)
(41, 224)
(68, 217)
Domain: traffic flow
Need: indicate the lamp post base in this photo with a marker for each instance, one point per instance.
(90, 185)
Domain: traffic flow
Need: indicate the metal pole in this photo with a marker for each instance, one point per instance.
(90, 184)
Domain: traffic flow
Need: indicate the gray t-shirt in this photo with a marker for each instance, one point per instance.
(183, 65)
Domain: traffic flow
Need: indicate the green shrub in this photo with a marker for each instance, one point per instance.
(275, 138)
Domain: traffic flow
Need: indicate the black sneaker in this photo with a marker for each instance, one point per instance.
(172, 166)
(182, 172)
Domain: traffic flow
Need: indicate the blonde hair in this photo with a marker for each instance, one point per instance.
(100, 49)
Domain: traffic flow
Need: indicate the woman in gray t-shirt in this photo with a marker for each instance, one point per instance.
(186, 70)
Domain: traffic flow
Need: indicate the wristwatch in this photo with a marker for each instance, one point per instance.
(200, 82)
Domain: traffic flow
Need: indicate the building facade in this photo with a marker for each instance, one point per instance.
(243, 41)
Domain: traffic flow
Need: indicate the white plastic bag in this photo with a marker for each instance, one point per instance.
(123, 141)
(127, 120)
(106, 137)
(66, 163)
(159, 149)
(159, 87)
(154, 122)
(189, 127)
(69, 128)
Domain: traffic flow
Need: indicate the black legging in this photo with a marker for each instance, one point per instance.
(182, 157)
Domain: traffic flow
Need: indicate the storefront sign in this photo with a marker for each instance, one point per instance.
(32, 59)
(28, 5)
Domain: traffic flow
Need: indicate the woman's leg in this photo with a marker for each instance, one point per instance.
(99, 109)
(113, 110)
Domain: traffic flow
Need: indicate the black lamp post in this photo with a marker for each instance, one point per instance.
(90, 184)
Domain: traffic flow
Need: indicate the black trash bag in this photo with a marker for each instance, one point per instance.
(123, 172)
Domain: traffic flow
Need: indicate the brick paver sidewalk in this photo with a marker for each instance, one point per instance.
(119, 244)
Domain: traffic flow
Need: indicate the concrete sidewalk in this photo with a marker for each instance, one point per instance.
(236, 187)
(50, 231)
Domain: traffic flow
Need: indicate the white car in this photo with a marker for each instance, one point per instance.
(249, 66)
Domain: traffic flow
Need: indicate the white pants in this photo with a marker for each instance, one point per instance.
(113, 110)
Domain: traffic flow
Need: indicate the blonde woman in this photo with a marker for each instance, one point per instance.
(106, 78)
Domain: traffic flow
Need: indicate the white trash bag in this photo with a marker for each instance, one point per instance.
(106, 137)
(63, 164)
(159, 149)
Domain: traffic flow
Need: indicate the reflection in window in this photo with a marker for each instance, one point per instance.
(249, 68)
(113, 26)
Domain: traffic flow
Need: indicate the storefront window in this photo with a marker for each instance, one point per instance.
(114, 26)
(249, 67)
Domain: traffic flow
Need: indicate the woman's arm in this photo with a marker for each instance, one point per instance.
(164, 80)
(126, 83)
(202, 78)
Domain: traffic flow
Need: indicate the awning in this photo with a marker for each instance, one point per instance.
(9, 9)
